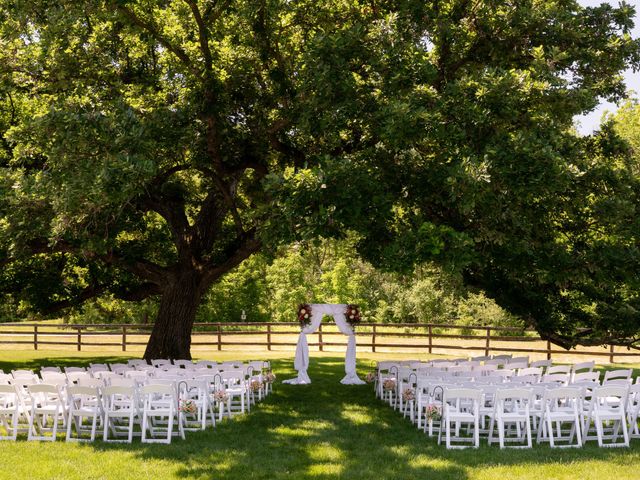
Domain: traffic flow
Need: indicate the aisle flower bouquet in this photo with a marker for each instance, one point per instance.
(433, 413)
(220, 396)
(389, 384)
(352, 314)
(304, 314)
(188, 406)
(255, 386)
(408, 394)
(371, 377)
(270, 377)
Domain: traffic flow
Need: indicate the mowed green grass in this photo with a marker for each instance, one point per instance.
(320, 431)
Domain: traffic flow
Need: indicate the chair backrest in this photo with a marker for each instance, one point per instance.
(560, 378)
(579, 367)
(207, 363)
(55, 378)
(537, 371)
(451, 394)
(586, 376)
(612, 397)
(74, 376)
(559, 369)
(159, 362)
(158, 388)
(481, 358)
(524, 380)
(118, 381)
(503, 393)
(137, 362)
(84, 391)
(98, 367)
(502, 357)
(91, 382)
(50, 369)
(23, 372)
(617, 374)
(74, 369)
(566, 393)
(8, 395)
(183, 363)
(541, 363)
(114, 367)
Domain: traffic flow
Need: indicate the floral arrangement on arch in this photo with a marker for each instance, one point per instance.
(352, 314)
(304, 314)
(188, 406)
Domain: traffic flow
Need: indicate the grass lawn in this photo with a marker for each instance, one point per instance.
(320, 431)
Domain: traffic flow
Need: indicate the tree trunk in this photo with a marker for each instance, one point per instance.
(171, 334)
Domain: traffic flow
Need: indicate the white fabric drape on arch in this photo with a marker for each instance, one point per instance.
(301, 363)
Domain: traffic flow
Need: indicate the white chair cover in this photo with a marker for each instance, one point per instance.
(301, 363)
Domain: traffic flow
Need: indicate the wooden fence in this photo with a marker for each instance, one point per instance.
(390, 338)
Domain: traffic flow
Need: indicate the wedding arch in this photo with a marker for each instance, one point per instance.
(301, 363)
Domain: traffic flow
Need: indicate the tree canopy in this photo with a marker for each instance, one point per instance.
(149, 147)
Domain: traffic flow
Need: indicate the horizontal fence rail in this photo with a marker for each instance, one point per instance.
(397, 337)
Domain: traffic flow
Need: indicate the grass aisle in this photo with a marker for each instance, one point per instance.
(320, 431)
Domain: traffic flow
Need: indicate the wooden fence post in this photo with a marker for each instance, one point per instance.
(430, 339)
(79, 338)
(611, 347)
(124, 338)
(320, 337)
(269, 336)
(548, 349)
(219, 338)
(373, 340)
(35, 337)
(487, 345)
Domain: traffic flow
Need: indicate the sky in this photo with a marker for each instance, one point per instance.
(590, 122)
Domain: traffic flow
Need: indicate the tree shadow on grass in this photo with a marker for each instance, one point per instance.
(331, 431)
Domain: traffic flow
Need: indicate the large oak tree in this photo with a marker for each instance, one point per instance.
(151, 146)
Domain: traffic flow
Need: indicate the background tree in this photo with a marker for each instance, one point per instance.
(157, 145)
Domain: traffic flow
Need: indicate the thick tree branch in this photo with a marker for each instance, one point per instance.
(203, 35)
(247, 246)
(155, 33)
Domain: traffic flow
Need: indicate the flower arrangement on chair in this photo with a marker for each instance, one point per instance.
(304, 314)
(269, 377)
(389, 384)
(255, 386)
(188, 406)
(433, 413)
(371, 377)
(352, 315)
(220, 396)
(408, 394)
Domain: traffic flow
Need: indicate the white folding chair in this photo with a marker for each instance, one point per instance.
(512, 408)
(633, 410)
(159, 402)
(84, 402)
(608, 414)
(120, 405)
(460, 406)
(236, 388)
(9, 411)
(196, 391)
(560, 406)
(46, 405)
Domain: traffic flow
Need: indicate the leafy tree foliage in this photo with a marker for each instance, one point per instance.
(149, 147)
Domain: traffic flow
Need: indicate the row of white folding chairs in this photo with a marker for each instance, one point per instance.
(36, 402)
(611, 410)
(116, 410)
(558, 373)
(616, 407)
